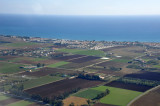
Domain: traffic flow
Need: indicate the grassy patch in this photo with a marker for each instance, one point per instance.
(58, 64)
(21, 103)
(7, 68)
(84, 52)
(3, 97)
(89, 94)
(117, 96)
(40, 81)
(121, 60)
(20, 44)
(156, 66)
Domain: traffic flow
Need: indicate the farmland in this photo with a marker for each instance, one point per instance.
(88, 94)
(129, 86)
(151, 98)
(40, 81)
(84, 52)
(57, 64)
(9, 68)
(3, 97)
(78, 72)
(146, 75)
(84, 59)
(62, 86)
(117, 96)
(20, 103)
(69, 57)
(76, 100)
(46, 71)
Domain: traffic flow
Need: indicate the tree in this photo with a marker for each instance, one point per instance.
(88, 101)
(39, 65)
(72, 104)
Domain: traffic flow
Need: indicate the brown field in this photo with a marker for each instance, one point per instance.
(101, 104)
(145, 75)
(62, 86)
(70, 57)
(80, 65)
(130, 51)
(112, 48)
(150, 99)
(76, 100)
(46, 71)
(112, 64)
(8, 101)
(134, 87)
(104, 71)
(84, 59)
(5, 58)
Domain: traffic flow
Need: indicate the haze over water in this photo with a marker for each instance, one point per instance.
(109, 28)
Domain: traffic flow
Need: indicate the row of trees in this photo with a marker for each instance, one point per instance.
(89, 77)
(40, 65)
(139, 81)
(101, 95)
(56, 100)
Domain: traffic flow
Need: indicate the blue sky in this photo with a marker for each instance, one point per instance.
(81, 7)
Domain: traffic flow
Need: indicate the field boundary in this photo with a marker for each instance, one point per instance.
(138, 97)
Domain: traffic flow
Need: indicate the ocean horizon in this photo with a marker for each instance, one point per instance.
(108, 28)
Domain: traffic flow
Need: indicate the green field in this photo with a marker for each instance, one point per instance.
(20, 44)
(84, 52)
(117, 96)
(21, 103)
(8, 68)
(40, 81)
(156, 66)
(121, 60)
(3, 97)
(88, 94)
(57, 64)
(19, 59)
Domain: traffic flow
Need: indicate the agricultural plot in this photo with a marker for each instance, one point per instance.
(145, 75)
(58, 64)
(3, 97)
(121, 60)
(76, 100)
(70, 57)
(80, 65)
(84, 59)
(33, 61)
(59, 87)
(130, 51)
(88, 94)
(20, 103)
(152, 98)
(129, 86)
(46, 71)
(98, 53)
(8, 101)
(117, 96)
(20, 44)
(40, 81)
(111, 64)
(9, 68)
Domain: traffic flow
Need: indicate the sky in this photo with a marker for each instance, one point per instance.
(81, 7)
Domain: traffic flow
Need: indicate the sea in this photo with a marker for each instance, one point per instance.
(106, 28)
